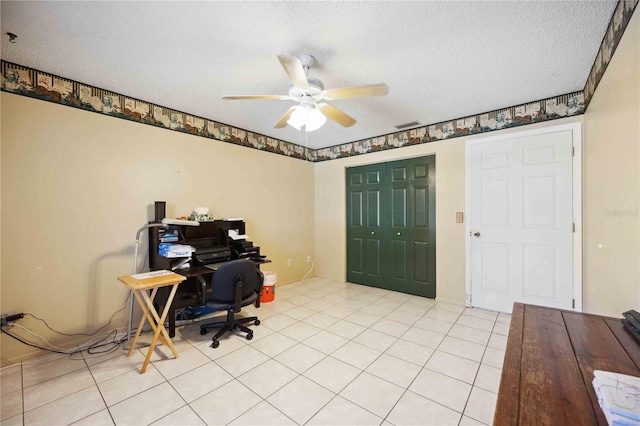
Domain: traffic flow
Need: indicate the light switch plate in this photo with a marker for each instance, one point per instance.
(459, 217)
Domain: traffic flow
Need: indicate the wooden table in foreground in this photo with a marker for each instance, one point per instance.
(139, 287)
(549, 362)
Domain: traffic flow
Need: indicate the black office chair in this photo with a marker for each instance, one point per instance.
(235, 284)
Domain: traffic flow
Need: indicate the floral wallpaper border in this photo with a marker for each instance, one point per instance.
(48, 87)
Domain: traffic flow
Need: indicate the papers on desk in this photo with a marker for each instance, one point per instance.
(151, 274)
(233, 234)
(618, 396)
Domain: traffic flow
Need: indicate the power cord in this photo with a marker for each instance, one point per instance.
(309, 271)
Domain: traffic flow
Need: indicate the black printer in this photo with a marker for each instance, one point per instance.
(205, 256)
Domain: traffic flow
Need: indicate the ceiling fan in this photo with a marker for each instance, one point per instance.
(311, 112)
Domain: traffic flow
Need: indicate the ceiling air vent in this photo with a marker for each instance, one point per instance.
(405, 125)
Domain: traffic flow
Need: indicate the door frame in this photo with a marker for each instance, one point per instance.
(576, 129)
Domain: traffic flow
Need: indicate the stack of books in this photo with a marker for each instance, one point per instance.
(618, 396)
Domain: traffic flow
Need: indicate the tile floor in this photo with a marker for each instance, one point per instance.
(326, 353)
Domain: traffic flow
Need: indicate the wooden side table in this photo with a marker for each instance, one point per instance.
(139, 284)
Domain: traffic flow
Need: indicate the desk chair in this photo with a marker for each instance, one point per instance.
(234, 284)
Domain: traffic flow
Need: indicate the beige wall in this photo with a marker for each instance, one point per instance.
(77, 185)
(611, 166)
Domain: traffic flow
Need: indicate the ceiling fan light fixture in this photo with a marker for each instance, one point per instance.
(307, 115)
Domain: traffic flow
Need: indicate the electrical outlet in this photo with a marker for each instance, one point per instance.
(6, 320)
(308, 259)
(288, 262)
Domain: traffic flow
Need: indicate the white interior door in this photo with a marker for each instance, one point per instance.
(521, 221)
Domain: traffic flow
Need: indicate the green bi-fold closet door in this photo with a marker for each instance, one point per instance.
(391, 225)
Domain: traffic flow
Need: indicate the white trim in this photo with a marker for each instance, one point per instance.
(576, 129)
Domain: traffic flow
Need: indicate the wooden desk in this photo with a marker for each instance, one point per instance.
(139, 289)
(549, 362)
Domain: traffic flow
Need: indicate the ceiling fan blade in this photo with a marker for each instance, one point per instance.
(247, 97)
(283, 120)
(336, 115)
(294, 69)
(357, 91)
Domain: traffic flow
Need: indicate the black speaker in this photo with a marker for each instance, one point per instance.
(160, 208)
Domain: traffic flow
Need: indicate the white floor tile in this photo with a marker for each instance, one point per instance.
(493, 357)
(10, 404)
(501, 328)
(57, 388)
(346, 329)
(445, 390)
(409, 351)
(200, 381)
(129, 384)
(339, 411)
(263, 414)
(301, 399)
(116, 366)
(462, 348)
(184, 416)
(11, 379)
(101, 418)
(321, 320)
(432, 324)
(413, 409)
(332, 373)
(470, 334)
(186, 361)
(357, 355)
(453, 366)
(442, 315)
(373, 394)
(360, 318)
(423, 337)
(275, 344)
(68, 409)
(50, 370)
(481, 405)
(131, 411)
(300, 357)
(497, 341)
(225, 403)
(394, 370)
(403, 317)
(299, 331)
(325, 342)
(473, 322)
(267, 378)
(390, 327)
(375, 340)
(300, 313)
(488, 378)
(244, 359)
(367, 344)
(278, 322)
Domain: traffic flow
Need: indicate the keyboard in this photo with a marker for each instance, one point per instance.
(214, 266)
(631, 321)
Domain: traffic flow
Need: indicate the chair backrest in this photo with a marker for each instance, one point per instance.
(223, 283)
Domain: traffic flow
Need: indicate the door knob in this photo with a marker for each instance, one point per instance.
(476, 234)
(373, 233)
(398, 234)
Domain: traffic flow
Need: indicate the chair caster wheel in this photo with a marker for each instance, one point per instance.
(215, 344)
(203, 331)
(249, 336)
(256, 322)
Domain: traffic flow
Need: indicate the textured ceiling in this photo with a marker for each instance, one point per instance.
(441, 60)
